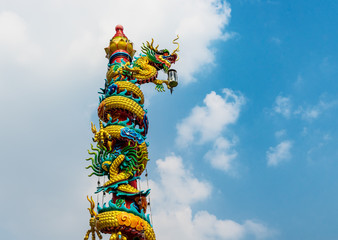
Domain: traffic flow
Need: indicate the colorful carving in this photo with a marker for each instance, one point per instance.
(121, 150)
(92, 221)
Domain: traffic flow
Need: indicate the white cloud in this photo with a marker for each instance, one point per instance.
(313, 112)
(283, 106)
(309, 113)
(60, 45)
(280, 153)
(184, 188)
(205, 123)
(12, 29)
(222, 154)
(259, 230)
(280, 133)
(172, 198)
(16, 45)
(77, 38)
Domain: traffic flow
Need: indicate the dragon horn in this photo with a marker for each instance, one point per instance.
(93, 128)
(151, 46)
(178, 46)
(92, 205)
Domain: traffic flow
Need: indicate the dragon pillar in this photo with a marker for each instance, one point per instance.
(120, 152)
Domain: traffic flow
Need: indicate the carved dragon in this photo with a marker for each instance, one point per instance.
(121, 152)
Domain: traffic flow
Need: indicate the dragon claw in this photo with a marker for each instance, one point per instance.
(159, 88)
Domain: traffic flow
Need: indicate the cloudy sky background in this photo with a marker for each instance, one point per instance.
(245, 148)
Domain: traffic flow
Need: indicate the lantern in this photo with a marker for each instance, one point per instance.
(172, 78)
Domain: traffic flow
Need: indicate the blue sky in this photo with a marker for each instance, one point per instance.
(245, 147)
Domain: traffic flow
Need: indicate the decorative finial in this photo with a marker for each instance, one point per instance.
(119, 31)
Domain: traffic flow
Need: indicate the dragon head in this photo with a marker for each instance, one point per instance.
(160, 59)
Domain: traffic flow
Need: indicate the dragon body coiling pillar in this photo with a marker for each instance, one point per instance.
(121, 150)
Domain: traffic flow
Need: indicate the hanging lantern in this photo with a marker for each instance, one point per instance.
(172, 78)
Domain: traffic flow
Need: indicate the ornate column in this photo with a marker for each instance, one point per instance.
(121, 150)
